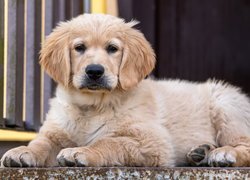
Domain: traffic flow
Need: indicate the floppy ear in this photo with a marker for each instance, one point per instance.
(138, 59)
(55, 55)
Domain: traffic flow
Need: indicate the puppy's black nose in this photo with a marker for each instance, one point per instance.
(94, 71)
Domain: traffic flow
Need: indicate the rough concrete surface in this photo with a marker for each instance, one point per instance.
(125, 173)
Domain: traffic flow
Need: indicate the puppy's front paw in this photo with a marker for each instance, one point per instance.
(222, 157)
(198, 156)
(19, 157)
(72, 157)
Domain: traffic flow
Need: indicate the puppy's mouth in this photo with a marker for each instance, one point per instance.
(95, 85)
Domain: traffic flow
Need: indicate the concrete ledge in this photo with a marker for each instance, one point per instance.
(125, 173)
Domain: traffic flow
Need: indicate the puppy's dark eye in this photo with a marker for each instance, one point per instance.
(111, 49)
(80, 48)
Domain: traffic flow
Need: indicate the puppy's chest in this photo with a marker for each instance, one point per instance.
(86, 126)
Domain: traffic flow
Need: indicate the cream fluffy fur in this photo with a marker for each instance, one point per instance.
(133, 122)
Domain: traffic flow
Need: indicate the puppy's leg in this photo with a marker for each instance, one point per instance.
(40, 152)
(131, 148)
(209, 155)
(236, 153)
(33, 155)
(230, 114)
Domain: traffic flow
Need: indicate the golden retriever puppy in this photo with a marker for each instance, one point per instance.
(105, 114)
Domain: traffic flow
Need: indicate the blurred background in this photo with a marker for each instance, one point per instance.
(193, 39)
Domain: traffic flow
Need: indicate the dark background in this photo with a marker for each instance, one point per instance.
(196, 40)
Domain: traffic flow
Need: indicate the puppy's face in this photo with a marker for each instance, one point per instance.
(95, 61)
(97, 53)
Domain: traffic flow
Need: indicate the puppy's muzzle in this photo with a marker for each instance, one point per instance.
(94, 71)
(95, 78)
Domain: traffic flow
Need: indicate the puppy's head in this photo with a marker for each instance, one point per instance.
(97, 53)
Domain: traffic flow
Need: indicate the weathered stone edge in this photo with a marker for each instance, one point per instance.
(125, 173)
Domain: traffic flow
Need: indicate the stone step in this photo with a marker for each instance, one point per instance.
(132, 173)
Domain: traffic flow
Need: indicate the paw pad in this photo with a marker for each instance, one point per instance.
(198, 156)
